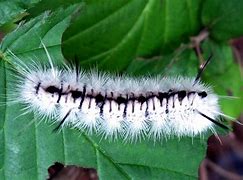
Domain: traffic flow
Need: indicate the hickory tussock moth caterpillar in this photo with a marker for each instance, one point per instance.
(118, 106)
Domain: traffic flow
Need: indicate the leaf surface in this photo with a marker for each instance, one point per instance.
(108, 32)
(223, 18)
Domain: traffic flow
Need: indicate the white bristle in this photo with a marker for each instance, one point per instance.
(117, 106)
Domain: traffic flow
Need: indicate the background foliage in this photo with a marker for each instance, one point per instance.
(132, 36)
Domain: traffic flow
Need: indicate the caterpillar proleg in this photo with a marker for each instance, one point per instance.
(118, 106)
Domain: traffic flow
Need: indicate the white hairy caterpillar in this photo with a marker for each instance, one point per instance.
(118, 106)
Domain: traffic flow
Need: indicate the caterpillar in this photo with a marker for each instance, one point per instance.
(116, 106)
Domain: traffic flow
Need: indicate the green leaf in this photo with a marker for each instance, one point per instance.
(47, 5)
(2, 115)
(9, 11)
(223, 18)
(172, 64)
(12, 11)
(225, 76)
(28, 145)
(114, 32)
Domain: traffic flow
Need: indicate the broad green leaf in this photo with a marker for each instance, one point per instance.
(181, 62)
(114, 32)
(30, 147)
(11, 11)
(2, 115)
(47, 5)
(223, 18)
(225, 76)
